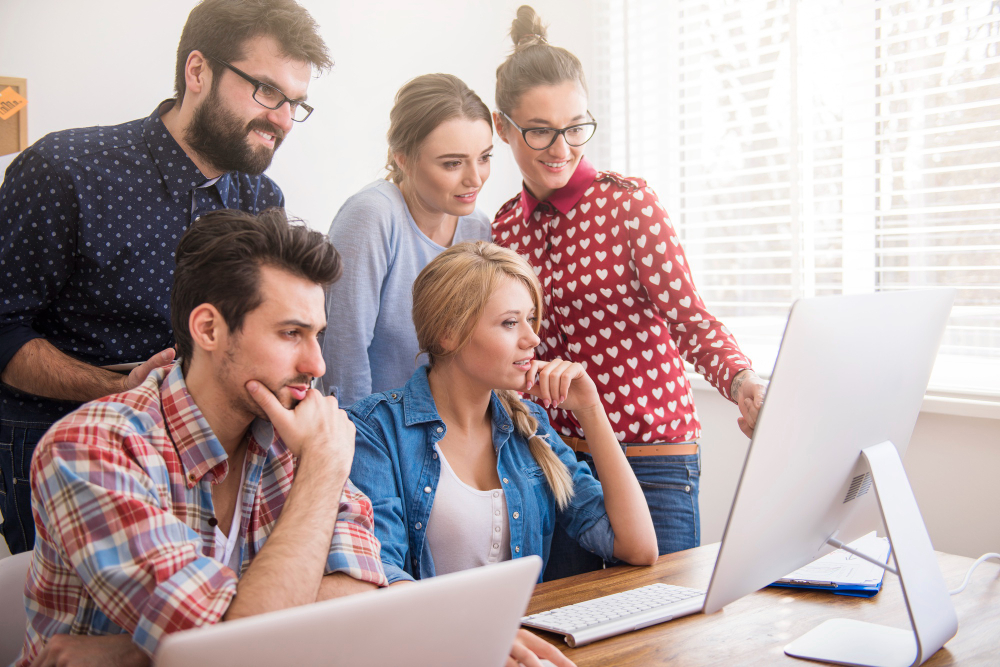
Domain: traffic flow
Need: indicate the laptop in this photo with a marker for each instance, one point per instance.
(464, 618)
(850, 374)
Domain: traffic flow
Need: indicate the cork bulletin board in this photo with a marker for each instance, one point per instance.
(13, 130)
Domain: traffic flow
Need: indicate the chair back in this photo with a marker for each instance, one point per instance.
(13, 619)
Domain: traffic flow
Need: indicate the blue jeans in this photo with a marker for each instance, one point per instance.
(670, 485)
(17, 444)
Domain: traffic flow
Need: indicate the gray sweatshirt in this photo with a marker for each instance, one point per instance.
(370, 343)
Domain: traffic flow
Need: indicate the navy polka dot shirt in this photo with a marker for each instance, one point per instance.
(89, 221)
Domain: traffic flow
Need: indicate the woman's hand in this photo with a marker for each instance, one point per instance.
(529, 650)
(560, 383)
(748, 392)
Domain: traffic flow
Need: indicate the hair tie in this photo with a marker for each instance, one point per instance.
(541, 39)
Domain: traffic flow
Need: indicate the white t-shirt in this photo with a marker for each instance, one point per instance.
(225, 546)
(467, 527)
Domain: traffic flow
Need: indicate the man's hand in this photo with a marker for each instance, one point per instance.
(317, 424)
(529, 650)
(140, 372)
(748, 391)
(84, 651)
(39, 368)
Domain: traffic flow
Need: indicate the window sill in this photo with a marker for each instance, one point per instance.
(984, 405)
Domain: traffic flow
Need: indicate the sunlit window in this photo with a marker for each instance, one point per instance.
(817, 147)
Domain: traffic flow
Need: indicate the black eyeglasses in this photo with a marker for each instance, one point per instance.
(540, 138)
(270, 97)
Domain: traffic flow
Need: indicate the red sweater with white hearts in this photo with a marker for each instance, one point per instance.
(619, 299)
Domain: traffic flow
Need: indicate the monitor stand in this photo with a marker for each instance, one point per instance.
(932, 616)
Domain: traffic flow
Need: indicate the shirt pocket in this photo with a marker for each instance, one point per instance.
(534, 474)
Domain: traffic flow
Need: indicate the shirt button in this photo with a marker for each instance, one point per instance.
(419, 525)
(192, 477)
(496, 494)
(394, 395)
(517, 550)
(439, 429)
(497, 529)
(687, 488)
(497, 513)
(496, 546)
(434, 455)
(516, 515)
(427, 489)
(505, 480)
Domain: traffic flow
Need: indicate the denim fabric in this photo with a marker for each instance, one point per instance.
(670, 485)
(17, 444)
(566, 556)
(396, 466)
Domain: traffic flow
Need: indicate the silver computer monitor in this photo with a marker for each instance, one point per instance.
(850, 375)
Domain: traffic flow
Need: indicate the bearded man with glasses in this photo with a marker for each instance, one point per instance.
(90, 217)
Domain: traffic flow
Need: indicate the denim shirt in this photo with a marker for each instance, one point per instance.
(396, 466)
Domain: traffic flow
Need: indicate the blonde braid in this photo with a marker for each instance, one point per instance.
(555, 470)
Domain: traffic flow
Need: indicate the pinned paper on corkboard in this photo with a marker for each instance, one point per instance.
(13, 115)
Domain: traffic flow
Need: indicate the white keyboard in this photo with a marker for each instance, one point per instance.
(586, 622)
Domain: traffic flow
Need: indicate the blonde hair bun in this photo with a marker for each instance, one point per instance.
(534, 62)
(527, 29)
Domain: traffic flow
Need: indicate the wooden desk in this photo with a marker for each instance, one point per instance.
(755, 629)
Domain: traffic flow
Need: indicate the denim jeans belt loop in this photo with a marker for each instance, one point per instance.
(652, 449)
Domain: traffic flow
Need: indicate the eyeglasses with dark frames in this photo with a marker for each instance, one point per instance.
(270, 97)
(540, 138)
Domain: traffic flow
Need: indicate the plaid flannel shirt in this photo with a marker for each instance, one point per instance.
(122, 500)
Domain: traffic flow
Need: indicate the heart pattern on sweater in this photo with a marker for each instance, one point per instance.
(616, 278)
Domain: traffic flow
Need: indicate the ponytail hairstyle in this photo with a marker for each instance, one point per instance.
(421, 105)
(449, 297)
(534, 62)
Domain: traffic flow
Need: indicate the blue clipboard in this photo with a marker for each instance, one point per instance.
(863, 589)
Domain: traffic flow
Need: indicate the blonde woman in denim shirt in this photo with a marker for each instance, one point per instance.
(460, 471)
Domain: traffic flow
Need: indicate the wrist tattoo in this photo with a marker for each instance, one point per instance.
(734, 388)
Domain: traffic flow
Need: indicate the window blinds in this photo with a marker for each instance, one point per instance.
(820, 147)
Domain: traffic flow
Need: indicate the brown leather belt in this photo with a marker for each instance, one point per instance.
(653, 449)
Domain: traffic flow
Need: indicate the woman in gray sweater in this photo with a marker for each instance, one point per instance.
(440, 143)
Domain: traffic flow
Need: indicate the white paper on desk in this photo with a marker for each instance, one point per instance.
(845, 569)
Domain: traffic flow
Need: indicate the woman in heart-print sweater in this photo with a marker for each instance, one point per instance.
(618, 292)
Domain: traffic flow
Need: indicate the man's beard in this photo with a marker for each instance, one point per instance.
(222, 140)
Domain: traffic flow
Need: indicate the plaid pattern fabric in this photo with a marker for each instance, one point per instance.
(122, 498)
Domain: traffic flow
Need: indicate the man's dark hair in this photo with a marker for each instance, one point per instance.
(219, 259)
(221, 28)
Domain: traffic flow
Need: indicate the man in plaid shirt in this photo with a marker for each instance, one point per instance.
(218, 487)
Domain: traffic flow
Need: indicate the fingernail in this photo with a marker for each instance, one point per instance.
(547, 402)
(529, 385)
(251, 386)
(562, 398)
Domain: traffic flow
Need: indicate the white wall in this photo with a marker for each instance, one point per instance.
(109, 61)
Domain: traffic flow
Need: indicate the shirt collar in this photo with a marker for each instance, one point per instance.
(419, 407)
(200, 451)
(566, 197)
(178, 172)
